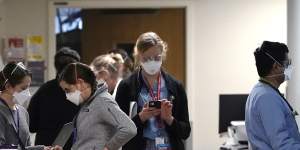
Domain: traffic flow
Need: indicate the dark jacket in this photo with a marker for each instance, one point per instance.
(180, 129)
(48, 111)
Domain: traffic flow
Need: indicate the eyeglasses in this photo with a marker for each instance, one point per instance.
(20, 64)
(155, 58)
(285, 64)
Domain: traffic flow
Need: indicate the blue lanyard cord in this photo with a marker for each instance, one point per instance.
(74, 135)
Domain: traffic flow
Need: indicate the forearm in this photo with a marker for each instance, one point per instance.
(123, 135)
(37, 147)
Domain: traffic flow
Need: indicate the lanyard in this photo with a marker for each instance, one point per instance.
(151, 91)
(295, 113)
(16, 122)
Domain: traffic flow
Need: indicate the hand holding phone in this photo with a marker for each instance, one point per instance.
(155, 104)
(166, 111)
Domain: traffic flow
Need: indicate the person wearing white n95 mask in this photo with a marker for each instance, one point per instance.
(74, 97)
(287, 68)
(22, 97)
(164, 125)
(269, 117)
(152, 66)
(100, 124)
(15, 80)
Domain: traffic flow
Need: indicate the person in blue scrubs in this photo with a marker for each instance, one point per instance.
(270, 119)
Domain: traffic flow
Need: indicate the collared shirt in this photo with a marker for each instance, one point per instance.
(151, 131)
(116, 88)
(270, 124)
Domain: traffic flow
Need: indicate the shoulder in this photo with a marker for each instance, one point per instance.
(48, 84)
(129, 83)
(3, 111)
(133, 77)
(264, 97)
(103, 98)
(172, 82)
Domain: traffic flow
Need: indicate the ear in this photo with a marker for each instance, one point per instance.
(79, 83)
(277, 68)
(9, 87)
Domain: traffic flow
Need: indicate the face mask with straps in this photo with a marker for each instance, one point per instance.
(287, 69)
(75, 97)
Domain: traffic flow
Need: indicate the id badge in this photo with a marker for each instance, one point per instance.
(160, 143)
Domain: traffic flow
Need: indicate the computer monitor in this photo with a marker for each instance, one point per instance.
(231, 108)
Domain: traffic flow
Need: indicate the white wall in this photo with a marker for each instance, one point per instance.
(226, 35)
(24, 18)
(220, 55)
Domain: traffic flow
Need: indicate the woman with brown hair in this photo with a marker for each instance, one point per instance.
(15, 80)
(100, 124)
(162, 116)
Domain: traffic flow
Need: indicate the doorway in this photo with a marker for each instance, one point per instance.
(93, 32)
(106, 29)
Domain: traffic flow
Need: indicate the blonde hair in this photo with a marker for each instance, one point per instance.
(146, 41)
(108, 62)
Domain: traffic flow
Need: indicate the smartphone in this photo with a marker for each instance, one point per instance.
(155, 104)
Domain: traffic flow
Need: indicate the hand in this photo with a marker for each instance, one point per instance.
(148, 112)
(166, 111)
(47, 147)
(56, 147)
(53, 148)
(105, 148)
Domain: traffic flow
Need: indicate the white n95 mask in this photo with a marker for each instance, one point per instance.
(151, 67)
(22, 97)
(74, 97)
(288, 72)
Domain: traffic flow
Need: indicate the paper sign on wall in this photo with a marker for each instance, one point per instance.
(15, 49)
(35, 51)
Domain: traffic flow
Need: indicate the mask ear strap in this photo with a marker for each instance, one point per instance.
(6, 79)
(275, 75)
(273, 58)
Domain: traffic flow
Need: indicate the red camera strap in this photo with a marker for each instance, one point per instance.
(157, 97)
